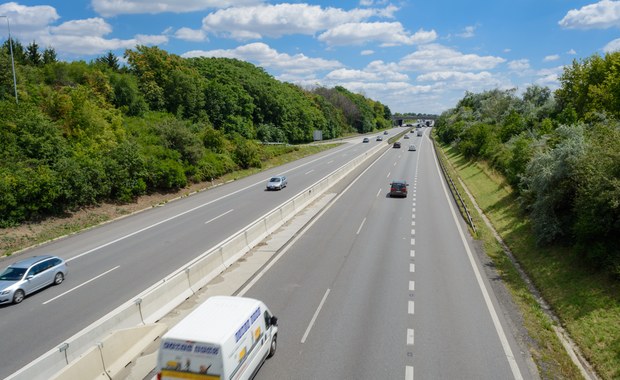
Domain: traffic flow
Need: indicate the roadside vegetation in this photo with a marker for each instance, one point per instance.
(86, 133)
(545, 169)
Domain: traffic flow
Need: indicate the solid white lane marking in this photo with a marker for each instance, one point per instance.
(408, 372)
(409, 337)
(82, 284)
(410, 308)
(411, 285)
(219, 216)
(360, 228)
(309, 171)
(412, 267)
(316, 314)
(514, 367)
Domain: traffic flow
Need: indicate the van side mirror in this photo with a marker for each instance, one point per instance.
(274, 320)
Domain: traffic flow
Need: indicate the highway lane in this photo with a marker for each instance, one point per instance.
(384, 288)
(112, 263)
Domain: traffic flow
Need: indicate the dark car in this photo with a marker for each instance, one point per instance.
(385, 132)
(398, 189)
(396, 144)
(366, 139)
(30, 275)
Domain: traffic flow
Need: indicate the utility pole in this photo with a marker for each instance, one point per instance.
(8, 24)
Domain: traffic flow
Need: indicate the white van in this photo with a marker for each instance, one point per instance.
(225, 338)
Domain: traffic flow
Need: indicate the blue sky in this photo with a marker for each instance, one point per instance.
(414, 56)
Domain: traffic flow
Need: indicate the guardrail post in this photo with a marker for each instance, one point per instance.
(63, 348)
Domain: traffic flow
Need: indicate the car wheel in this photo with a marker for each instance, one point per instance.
(274, 344)
(18, 296)
(59, 278)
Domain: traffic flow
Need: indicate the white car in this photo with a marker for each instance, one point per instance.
(277, 183)
(412, 147)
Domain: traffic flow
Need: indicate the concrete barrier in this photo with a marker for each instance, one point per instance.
(111, 356)
(162, 297)
(165, 297)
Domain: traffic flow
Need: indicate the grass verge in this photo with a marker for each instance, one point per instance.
(29, 234)
(587, 304)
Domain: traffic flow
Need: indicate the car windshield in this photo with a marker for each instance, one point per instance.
(275, 179)
(12, 274)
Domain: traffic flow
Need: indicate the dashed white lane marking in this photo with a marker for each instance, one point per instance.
(316, 314)
(82, 284)
(412, 241)
(409, 337)
(308, 172)
(388, 176)
(413, 231)
(410, 308)
(414, 209)
(378, 192)
(411, 285)
(412, 253)
(361, 225)
(411, 267)
(414, 204)
(408, 372)
(413, 223)
(219, 216)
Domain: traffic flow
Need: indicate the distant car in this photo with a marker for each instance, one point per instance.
(379, 138)
(366, 139)
(277, 183)
(29, 275)
(398, 189)
(412, 131)
(420, 133)
(412, 148)
(396, 144)
(385, 132)
(406, 136)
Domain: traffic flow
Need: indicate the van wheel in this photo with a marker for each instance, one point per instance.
(59, 278)
(18, 296)
(272, 349)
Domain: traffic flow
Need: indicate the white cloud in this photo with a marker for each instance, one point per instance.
(571, 52)
(551, 58)
(282, 19)
(549, 77)
(468, 32)
(74, 37)
(28, 19)
(95, 27)
(519, 65)
(367, 75)
(193, 35)
(602, 15)
(435, 57)
(265, 56)
(612, 46)
(367, 52)
(455, 76)
(109, 8)
(387, 33)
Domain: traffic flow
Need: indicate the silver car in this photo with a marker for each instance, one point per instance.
(277, 183)
(29, 275)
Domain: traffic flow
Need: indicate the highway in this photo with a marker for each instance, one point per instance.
(111, 264)
(382, 288)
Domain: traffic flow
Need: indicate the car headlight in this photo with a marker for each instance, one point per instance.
(5, 292)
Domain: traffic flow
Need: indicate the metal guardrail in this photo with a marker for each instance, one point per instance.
(454, 190)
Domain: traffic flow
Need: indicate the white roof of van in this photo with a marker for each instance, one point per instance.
(216, 320)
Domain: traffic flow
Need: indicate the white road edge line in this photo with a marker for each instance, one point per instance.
(514, 367)
(316, 314)
(361, 225)
(82, 284)
(219, 216)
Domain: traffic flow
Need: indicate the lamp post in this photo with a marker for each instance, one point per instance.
(12, 60)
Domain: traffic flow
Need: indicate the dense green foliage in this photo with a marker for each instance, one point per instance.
(560, 151)
(87, 132)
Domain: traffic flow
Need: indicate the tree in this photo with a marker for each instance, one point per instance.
(49, 56)
(33, 56)
(109, 60)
